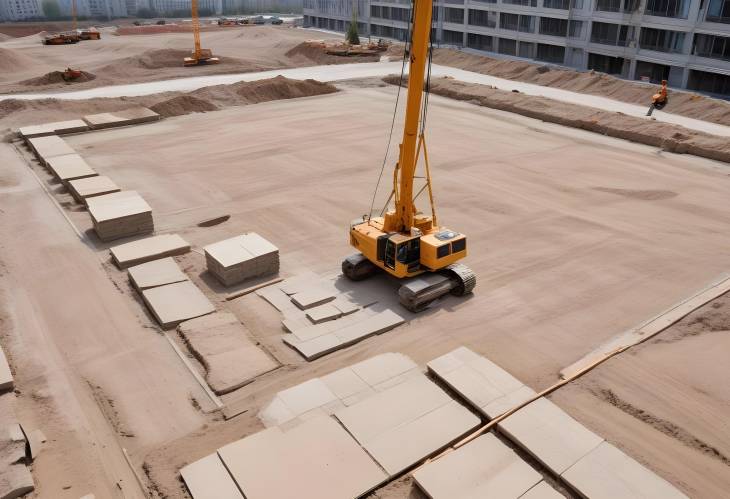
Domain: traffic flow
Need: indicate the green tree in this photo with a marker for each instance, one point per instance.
(51, 9)
(352, 36)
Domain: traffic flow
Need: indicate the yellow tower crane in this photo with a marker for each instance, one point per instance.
(199, 56)
(406, 243)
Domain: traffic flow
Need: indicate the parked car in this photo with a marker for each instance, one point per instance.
(276, 20)
(257, 20)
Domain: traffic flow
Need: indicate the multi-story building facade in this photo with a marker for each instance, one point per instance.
(163, 7)
(19, 10)
(686, 42)
(97, 9)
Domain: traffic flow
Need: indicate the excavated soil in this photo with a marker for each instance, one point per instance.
(56, 77)
(672, 138)
(13, 60)
(590, 82)
(308, 54)
(182, 104)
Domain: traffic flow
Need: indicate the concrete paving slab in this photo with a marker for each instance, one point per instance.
(381, 368)
(207, 478)
(69, 167)
(317, 458)
(345, 306)
(56, 128)
(241, 257)
(120, 214)
(36, 440)
(15, 481)
(299, 282)
(608, 473)
(550, 435)
(226, 350)
(306, 396)
(345, 382)
(542, 490)
(174, 303)
(323, 313)
(312, 297)
(147, 249)
(485, 467)
(155, 273)
(97, 185)
(406, 423)
(6, 376)
(276, 298)
(481, 382)
(132, 116)
(48, 147)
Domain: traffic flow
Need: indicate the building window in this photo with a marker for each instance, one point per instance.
(482, 18)
(479, 42)
(575, 28)
(704, 81)
(516, 22)
(526, 50)
(605, 64)
(554, 27)
(626, 6)
(454, 15)
(526, 3)
(556, 4)
(611, 34)
(668, 8)
(453, 37)
(550, 53)
(507, 46)
(712, 46)
(661, 40)
(718, 11)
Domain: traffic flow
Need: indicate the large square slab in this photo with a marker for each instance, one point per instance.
(69, 167)
(150, 248)
(55, 128)
(608, 473)
(207, 478)
(548, 433)
(242, 257)
(485, 467)
(156, 273)
(226, 350)
(316, 459)
(48, 147)
(406, 423)
(174, 303)
(117, 206)
(91, 186)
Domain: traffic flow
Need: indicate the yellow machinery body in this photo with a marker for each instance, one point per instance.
(405, 242)
(199, 56)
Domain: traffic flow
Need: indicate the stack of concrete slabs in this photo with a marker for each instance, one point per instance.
(320, 339)
(120, 214)
(485, 467)
(48, 147)
(147, 249)
(406, 423)
(608, 473)
(317, 458)
(542, 490)
(207, 478)
(56, 128)
(174, 303)
(224, 347)
(485, 385)
(69, 167)
(242, 257)
(155, 273)
(89, 187)
(132, 116)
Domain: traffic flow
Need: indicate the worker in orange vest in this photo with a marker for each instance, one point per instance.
(659, 100)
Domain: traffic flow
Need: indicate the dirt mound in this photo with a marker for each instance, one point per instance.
(588, 82)
(10, 106)
(182, 104)
(12, 61)
(148, 60)
(56, 77)
(4, 37)
(307, 53)
(262, 91)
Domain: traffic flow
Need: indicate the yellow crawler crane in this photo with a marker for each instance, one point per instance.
(404, 242)
(199, 56)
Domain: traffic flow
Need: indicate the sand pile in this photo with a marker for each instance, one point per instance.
(150, 59)
(672, 138)
(590, 82)
(4, 37)
(307, 53)
(13, 61)
(182, 104)
(55, 77)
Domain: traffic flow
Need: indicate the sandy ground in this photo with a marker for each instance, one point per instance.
(575, 237)
(114, 60)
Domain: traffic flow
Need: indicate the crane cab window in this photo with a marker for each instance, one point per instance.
(458, 245)
(406, 252)
(443, 250)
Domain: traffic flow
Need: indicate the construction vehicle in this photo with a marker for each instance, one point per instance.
(72, 74)
(63, 38)
(659, 99)
(406, 243)
(199, 56)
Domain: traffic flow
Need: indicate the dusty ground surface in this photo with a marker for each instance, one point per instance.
(25, 62)
(680, 102)
(669, 137)
(575, 237)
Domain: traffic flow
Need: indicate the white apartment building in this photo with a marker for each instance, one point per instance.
(163, 7)
(19, 10)
(684, 41)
